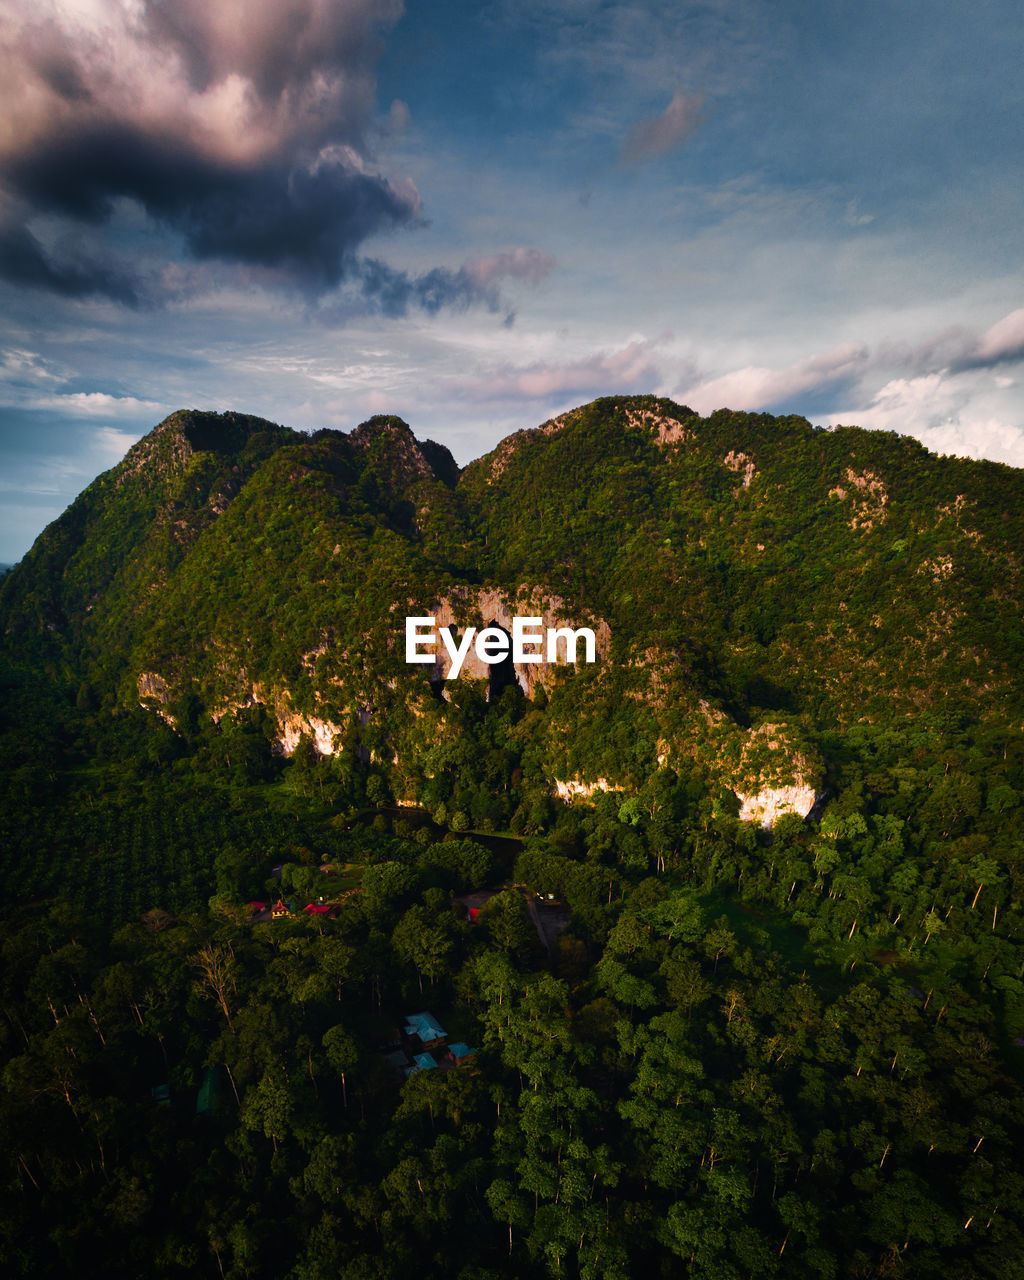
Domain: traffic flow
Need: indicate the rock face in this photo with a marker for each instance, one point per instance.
(771, 803)
(152, 687)
(867, 494)
(492, 608)
(568, 791)
(667, 430)
(154, 694)
(777, 775)
(736, 461)
(294, 726)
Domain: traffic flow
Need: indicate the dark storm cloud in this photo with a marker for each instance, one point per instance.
(307, 221)
(395, 293)
(235, 127)
(23, 261)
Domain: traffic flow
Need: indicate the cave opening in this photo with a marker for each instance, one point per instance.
(503, 673)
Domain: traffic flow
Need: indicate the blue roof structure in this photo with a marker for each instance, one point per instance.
(460, 1051)
(421, 1062)
(424, 1025)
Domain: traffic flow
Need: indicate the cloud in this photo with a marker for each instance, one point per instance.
(530, 265)
(937, 361)
(24, 261)
(854, 218)
(97, 404)
(755, 387)
(1003, 343)
(399, 117)
(111, 443)
(958, 350)
(237, 127)
(241, 130)
(960, 414)
(18, 365)
(235, 83)
(632, 368)
(932, 399)
(658, 135)
(393, 292)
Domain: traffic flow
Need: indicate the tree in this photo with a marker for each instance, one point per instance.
(217, 975)
(426, 941)
(269, 1105)
(507, 921)
(342, 1053)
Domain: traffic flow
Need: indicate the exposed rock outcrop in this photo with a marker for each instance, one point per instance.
(154, 694)
(868, 496)
(499, 459)
(169, 448)
(667, 430)
(736, 461)
(295, 725)
(492, 608)
(771, 803)
(778, 774)
(568, 791)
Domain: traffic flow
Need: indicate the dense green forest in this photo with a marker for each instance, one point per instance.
(708, 1039)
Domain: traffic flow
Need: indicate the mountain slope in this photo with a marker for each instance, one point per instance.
(813, 570)
(757, 583)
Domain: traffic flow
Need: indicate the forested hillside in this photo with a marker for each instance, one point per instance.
(730, 921)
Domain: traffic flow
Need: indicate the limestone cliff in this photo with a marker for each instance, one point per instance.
(486, 608)
(778, 774)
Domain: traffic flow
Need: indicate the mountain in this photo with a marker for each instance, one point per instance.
(756, 583)
(718, 941)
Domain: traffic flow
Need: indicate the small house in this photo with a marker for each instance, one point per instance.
(426, 1026)
(280, 909)
(460, 1052)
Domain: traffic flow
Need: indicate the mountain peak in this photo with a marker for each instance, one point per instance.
(171, 444)
(388, 440)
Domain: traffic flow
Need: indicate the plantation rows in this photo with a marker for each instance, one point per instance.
(157, 847)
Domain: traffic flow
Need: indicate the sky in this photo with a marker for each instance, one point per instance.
(478, 215)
